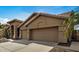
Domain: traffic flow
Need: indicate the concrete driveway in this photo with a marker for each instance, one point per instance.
(9, 46)
(73, 48)
(17, 47)
(17, 44)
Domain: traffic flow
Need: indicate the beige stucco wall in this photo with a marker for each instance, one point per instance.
(44, 21)
(24, 34)
(62, 38)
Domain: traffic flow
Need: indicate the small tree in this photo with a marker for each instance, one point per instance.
(70, 22)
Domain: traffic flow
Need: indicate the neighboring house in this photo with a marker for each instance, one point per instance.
(76, 27)
(66, 14)
(44, 27)
(13, 28)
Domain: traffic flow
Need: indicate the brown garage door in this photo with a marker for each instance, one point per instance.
(24, 34)
(46, 34)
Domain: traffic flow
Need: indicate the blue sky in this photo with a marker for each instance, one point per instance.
(8, 13)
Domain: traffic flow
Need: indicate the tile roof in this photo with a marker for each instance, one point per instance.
(15, 20)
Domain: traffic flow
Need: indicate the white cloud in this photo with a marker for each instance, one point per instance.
(4, 20)
(21, 16)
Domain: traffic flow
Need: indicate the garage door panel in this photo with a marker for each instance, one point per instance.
(47, 34)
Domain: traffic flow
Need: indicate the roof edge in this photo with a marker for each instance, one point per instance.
(43, 14)
(27, 19)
